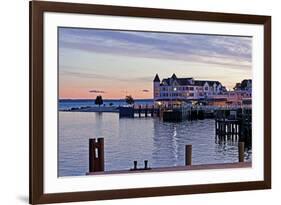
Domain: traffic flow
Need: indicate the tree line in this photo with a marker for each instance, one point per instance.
(129, 100)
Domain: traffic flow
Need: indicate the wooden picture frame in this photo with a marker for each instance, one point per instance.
(37, 9)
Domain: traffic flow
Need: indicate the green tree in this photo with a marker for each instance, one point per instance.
(99, 100)
(129, 99)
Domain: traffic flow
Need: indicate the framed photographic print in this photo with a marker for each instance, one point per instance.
(139, 102)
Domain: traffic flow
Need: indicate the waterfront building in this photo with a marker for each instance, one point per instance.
(176, 91)
(241, 94)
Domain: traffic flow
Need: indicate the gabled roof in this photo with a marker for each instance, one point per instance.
(211, 83)
(166, 81)
(185, 81)
(180, 81)
(174, 76)
(202, 82)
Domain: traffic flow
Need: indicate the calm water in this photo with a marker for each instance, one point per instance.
(68, 104)
(126, 140)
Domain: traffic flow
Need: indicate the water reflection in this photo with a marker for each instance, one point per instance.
(126, 140)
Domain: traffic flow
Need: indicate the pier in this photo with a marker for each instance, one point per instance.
(227, 123)
(229, 129)
(96, 161)
(234, 125)
(231, 122)
(181, 168)
(139, 111)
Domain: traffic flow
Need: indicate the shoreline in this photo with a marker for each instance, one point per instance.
(117, 108)
(92, 109)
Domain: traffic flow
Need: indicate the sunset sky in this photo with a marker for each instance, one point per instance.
(117, 63)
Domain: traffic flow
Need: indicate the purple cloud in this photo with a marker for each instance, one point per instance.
(96, 91)
(211, 49)
(145, 91)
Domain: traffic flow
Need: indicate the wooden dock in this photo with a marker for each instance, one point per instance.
(140, 111)
(180, 168)
(176, 114)
(96, 161)
(229, 129)
(234, 125)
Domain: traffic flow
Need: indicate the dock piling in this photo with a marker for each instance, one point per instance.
(145, 111)
(152, 111)
(188, 155)
(139, 110)
(96, 155)
(241, 150)
(145, 164)
(135, 164)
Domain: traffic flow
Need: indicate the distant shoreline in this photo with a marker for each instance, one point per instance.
(92, 109)
(88, 105)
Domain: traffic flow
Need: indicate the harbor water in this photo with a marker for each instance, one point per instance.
(127, 140)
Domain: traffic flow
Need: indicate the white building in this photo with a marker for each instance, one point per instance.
(174, 89)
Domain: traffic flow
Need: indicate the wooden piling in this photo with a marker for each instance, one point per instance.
(140, 111)
(96, 155)
(227, 129)
(241, 151)
(145, 164)
(188, 155)
(135, 164)
(145, 110)
(231, 131)
(158, 112)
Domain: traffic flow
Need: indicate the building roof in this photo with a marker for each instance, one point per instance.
(180, 81)
(156, 79)
(202, 82)
(174, 76)
(199, 82)
(186, 81)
